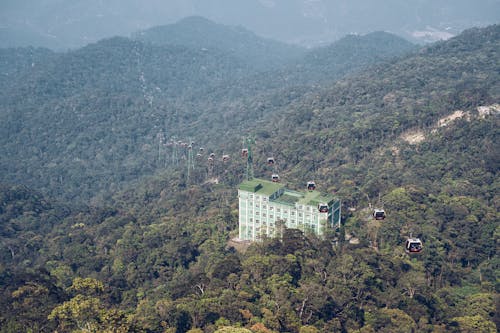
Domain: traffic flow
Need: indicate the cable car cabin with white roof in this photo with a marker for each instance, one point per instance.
(413, 245)
(263, 204)
(379, 214)
(311, 186)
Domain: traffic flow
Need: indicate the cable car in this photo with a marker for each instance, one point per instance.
(323, 208)
(244, 152)
(379, 214)
(275, 178)
(311, 186)
(413, 245)
(225, 158)
(270, 160)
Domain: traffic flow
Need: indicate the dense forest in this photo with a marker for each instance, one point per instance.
(111, 223)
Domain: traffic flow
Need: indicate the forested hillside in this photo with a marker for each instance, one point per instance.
(77, 124)
(149, 252)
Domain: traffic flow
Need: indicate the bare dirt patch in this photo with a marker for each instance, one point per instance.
(413, 136)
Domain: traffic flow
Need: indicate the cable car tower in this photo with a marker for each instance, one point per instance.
(161, 141)
(247, 152)
(190, 160)
(175, 150)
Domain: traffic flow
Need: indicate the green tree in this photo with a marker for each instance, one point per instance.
(472, 324)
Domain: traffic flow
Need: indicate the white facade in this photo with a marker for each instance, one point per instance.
(261, 214)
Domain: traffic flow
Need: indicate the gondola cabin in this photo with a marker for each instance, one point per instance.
(311, 186)
(270, 160)
(379, 214)
(323, 208)
(413, 245)
(244, 152)
(275, 178)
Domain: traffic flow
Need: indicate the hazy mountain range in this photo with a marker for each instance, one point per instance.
(62, 24)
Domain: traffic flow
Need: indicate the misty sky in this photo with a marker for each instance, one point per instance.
(73, 23)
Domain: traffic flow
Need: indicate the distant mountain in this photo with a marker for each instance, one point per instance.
(200, 33)
(66, 24)
(350, 54)
(324, 65)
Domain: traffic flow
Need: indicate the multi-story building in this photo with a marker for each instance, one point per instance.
(265, 205)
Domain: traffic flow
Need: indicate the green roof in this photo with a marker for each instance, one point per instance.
(260, 186)
(314, 198)
(266, 187)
